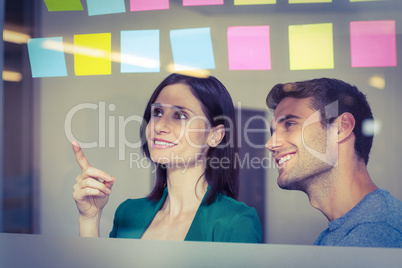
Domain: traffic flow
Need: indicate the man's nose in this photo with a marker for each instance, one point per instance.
(274, 142)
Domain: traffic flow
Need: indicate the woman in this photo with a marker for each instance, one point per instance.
(189, 133)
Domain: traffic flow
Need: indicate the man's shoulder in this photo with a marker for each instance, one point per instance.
(376, 222)
(379, 206)
(376, 234)
(384, 207)
(388, 197)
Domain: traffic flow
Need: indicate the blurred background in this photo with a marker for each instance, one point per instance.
(56, 87)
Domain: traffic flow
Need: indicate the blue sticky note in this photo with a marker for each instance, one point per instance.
(101, 7)
(140, 51)
(192, 49)
(47, 57)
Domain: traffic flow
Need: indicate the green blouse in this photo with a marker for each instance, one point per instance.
(225, 220)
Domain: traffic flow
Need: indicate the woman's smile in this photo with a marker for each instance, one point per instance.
(162, 144)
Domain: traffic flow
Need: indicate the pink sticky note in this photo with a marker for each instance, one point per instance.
(373, 43)
(202, 2)
(142, 5)
(249, 48)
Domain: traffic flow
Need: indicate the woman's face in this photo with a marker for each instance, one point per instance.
(178, 130)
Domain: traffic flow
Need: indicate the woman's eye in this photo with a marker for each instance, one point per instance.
(180, 115)
(156, 113)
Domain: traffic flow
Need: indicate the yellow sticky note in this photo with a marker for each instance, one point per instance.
(311, 46)
(253, 2)
(92, 54)
(308, 1)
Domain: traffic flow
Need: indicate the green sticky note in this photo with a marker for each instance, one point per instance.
(253, 2)
(308, 1)
(311, 46)
(63, 5)
(92, 54)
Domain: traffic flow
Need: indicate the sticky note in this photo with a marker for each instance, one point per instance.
(253, 2)
(192, 49)
(142, 5)
(202, 2)
(140, 51)
(101, 7)
(92, 54)
(46, 56)
(308, 1)
(63, 5)
(373, 43)
(249, 48)
(311, 46)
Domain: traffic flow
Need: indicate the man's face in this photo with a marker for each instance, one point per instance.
(297, 143)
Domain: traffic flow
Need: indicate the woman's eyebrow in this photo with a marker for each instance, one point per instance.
(175, 107)
(178, 107)
(156, 105)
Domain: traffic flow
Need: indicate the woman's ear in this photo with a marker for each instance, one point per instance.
(216, 135)
(346, 124)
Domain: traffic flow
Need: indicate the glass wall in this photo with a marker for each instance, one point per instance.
(17, 135)
(87, 67)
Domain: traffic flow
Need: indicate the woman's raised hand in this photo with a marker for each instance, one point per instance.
(92, 187)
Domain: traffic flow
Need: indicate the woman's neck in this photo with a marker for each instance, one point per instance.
(186, 188)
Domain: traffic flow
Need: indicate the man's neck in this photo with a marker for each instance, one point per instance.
(344, 188)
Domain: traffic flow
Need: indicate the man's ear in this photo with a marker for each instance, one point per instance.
(346, 123)
(216, 135)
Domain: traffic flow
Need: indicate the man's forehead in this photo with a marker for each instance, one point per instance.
(291, 105)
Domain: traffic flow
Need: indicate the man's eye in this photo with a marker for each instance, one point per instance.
(289, 124)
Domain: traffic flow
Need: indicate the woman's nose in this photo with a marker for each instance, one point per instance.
(161, 125)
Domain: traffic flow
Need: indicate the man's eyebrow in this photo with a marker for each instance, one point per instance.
(284, 118)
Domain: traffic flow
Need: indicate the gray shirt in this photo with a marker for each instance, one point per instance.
(376, 221)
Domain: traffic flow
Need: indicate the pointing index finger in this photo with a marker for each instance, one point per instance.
(79, 156)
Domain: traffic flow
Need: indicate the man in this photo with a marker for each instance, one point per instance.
(320, 148)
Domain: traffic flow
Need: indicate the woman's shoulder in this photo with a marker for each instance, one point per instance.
(132, 218)
(137, 204)
(230, 220)
(227, 205)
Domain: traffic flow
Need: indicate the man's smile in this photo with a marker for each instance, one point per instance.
(280, 160)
